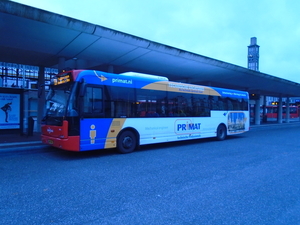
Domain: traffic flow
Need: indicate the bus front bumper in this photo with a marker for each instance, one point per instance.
(70, 144)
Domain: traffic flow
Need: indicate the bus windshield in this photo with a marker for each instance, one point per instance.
(57, 99)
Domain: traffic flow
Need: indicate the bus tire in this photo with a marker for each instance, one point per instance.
(221, 132)
(126, 142)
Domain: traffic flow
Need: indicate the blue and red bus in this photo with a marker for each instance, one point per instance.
(91, 110)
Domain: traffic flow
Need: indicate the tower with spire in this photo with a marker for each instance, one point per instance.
(253, 55)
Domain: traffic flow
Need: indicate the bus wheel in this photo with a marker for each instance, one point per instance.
(126, 142)
(221, 132)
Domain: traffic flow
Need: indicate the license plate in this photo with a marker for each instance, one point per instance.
(50, 142)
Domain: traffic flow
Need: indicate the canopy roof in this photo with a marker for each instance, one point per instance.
(36, 37)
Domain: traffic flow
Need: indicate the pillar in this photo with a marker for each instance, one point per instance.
(279, 110)
(81, 64)
(41, 98)
(257, 112)
(25, 111)
(5, 77)
(61, 64)
(264, 113)
(110, 69)
(75, 66)
(23, 76)
(287, 110)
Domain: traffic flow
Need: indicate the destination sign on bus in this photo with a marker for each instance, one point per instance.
(62, 80)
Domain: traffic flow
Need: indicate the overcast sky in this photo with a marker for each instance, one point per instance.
(220, 29)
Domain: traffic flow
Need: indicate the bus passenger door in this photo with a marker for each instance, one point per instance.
(93, 129)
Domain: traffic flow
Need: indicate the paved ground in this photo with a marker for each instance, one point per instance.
(248, 179)
(15, 138)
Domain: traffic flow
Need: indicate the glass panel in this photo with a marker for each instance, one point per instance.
(93, 102)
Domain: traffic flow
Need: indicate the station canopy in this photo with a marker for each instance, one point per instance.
(32, 36)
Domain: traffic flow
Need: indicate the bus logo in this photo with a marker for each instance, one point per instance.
(49, 130)
(186, 126)
(102, 78)
(93, 134)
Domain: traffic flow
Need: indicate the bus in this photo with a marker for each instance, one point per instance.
(271, 111)
(90, 110)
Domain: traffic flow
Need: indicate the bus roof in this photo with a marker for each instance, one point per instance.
(144, 75)
(153, 82)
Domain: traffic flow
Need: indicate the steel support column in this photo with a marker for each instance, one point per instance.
(257, 112)
(61, 64)
(41, 98)
(279, 111)
(287, 110)
(110, 69)
(264, 112)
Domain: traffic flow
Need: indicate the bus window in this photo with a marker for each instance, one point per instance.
(93, 102)
(201, 106)
(120, 102)
(293, 110)
(151, 103)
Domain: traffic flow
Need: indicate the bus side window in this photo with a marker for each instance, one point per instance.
(120, 102)
(93, 102)
(150, 103)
